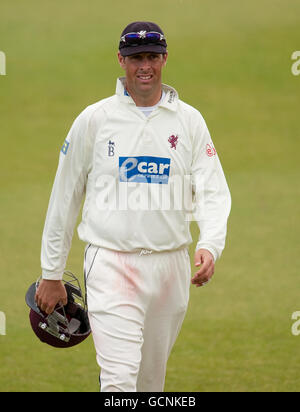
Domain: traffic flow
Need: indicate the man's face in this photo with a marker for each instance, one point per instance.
(143, 72)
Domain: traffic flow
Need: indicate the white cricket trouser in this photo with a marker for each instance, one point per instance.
(136, 303)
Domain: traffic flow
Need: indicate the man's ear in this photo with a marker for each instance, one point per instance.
(165, 58)
(121, 60)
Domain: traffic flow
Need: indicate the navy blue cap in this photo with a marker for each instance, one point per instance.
(128, 49)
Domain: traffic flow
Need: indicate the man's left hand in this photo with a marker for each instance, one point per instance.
(205, 260)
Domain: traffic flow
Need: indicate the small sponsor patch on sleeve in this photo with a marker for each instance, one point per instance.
(210, 150)
(65, 147)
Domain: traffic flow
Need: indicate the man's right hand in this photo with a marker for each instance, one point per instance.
(49, 293)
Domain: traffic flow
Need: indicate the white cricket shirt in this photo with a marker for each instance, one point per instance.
(147, 110)
(143, 178)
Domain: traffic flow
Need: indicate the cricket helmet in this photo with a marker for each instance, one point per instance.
(67, 325)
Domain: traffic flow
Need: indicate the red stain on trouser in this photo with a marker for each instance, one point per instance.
(128, 276)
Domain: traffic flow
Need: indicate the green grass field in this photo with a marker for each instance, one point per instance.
(231, 60)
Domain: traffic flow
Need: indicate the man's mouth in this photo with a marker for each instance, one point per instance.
(145, 77)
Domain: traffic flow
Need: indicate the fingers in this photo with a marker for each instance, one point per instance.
(48, 308)
(37, 299)
(49, 294)
(205, 269)
(205, 273)
(44, 304)
(198, 260)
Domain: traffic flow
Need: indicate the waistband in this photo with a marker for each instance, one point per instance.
(141, 251)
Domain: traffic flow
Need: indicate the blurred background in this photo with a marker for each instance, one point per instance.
(232, 61)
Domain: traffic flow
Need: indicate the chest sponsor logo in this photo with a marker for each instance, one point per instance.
(144, 169)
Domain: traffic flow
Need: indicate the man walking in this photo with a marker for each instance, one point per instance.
(131, 154)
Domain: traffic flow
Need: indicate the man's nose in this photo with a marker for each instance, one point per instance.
(145, 63)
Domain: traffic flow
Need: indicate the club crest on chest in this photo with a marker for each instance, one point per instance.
(173, 140)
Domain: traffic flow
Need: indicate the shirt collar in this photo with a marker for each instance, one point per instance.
(170, 100)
